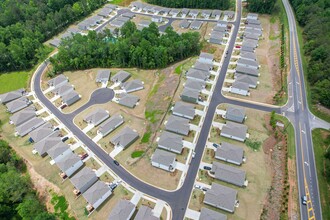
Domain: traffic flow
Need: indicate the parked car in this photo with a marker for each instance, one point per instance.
(63, 106)
(198, 187)
(116, 162)
(83, 156)
(204, 189)
(56, 129)
(237, 46)
(113, 186)
(304, 200)
(193, 154)
(207, 168)
(65, 139)
(215, 145)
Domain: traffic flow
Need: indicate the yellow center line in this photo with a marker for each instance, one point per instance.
(298, 72)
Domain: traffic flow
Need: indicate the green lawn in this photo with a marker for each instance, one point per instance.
(12, 81)
(290, 132)
(319, 149)
(137, 154)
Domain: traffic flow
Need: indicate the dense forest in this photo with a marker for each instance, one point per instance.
(26, 24)
(261, 6)
(210, 4)
(314, 17)
(145, 49)
(17, 198)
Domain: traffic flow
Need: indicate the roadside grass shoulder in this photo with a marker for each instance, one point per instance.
(288, 129)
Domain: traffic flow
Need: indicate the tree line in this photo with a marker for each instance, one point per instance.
(18, 199)
(314, 17)
(146, 49)
(261, 6)
(26, 24)
(206, 4)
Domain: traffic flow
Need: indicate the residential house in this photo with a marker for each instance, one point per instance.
(113, 7)
(129, 15)
(29, 126)
(248, 63)
(193, 13)
(240, 88)
(248, 55)
(164, 160)
(221, 197)
(220, 29)
(157, 19)
(125, 138)
(137, 6)
(110, 125)
(252, 21)
(234, 131)
(196, 25)
(184, 24)
(235, 114)
(22, 116)
(132, 86)
(177, 125)
(70, 98)
(59, 151)
(117, 23)
(44, 145)
(253, 31)
(144, 23)
(197, 74)
(174, 12)
(10, 96)
(184, 12)
(120, 76)
(128, 100)
(247, 71)
(164, 11)
(83, 180)
(206, 14)
(18, 104)
(42, 132)
(104, 12)
(252, 16)
(190, 95)
(230, 153)
(253, 27)
(123, 19)
(63, 90)
(123, 210)
(57, 81)
(216, 14)
(195, 84)
(206, 58)
(250, 43)
(69, 164)
(97, 194)
(102, 76)
(208, 214)
(145, 213)
(96, 117)
(229, 174)
(251, 36)
(247, 48)
(203, 66)
(184, 110)
(171, 142)
(216, 37)
(223, 24)
(228, 14)
(252, 81)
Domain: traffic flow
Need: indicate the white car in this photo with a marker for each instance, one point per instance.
(193, 154)
(198, 187)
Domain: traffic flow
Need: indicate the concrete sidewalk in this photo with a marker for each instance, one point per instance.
(158, 208)
(116, 151)
(88, 128)
(136, 198)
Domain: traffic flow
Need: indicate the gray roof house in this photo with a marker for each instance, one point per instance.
(44, 145)
(113, 7)
(171, 142)
(174, 12)
(229, 174)
(247, 70)
(10, 96)
(29, 126)
(84, 179)
(220, 29)
(248, 63)
(253, 21)
(222, 24)
(197, 74)
(252, 81)
(240, 88)
(22, 116)
(184, 110)
(229, 14)
(18, 104)
(130, 15)
(193, 13)
(206, 13)
(157, 19)
(104, 12)
(59, 151)
(253, 31)
(196, 25)
(248, 55)
(125, 137)
(128, 100)
(97, 194)
(221, 197)
(250, 43)
(69, 164)
(216, 37)
(235, 114)
(123, 18)
(208, 214)
(46, 130)
(251, 36)
(230, 153)
(57, 81)
(184, 24)
(177, 125)
(253, 27)
(164, 160)
(132, 86)
(234, 131)
(96, 117)
(252, 16)
(63, 89)
(216, 14)
(206, 58)
(203, 66)
(190, 95)
(247, 48)
(102, 76)
(110, 125)
(195, 84)
(144, 23)
(71, 98)
(121, 76)
(184, 12)
(145, 213)
(117, 23)
(123, 210)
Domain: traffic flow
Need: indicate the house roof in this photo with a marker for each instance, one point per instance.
(184, 109)
(111, 123)
(252, 15)
(190, 93)
(194, 12)
(235, 129)
(121, 76)
(124, 137)
(103, 74)
(206, 56)
(250, 43)
(240, 85)
(57, 80)
(44, 145)
(184, 24)
(230, 152)
(26, 126)
(253, 31)
(128, 14)
(248, 55)
(221, 196)
(63, 89)
(145, 213)
(22, 116)
(247, 70)
(117, 23)
(248, 62)
(222, 23)
(69, 96)
(111, 6)
(178, 125)
(57, 149)
(96, 191)
(104, 12)
(10, 96)
(196, 24)
(170, 140)
(132, 85)
(253, 21)
(185, 11)
(128, 100)
(216, 36)
(68, 161)
(194, 84)
(228, 173)
(144, 23)
(208, 214)
(206, 12)
(157, 17)
(251, 80)
(122, 210)
(253, 26)
(216, 13)
(85, 175)
(17, 104)
(203, 66)
(251, 36)
(229, 13)
(96, 116)
(198, 74)
(220, 29)
(174, 11)
(122, 18)
(163, 157)
(235, 111)
(41, 132)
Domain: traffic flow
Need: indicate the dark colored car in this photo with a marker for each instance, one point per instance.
(56, 129)
(113, 186)
(65, 139)
(116, 162)
(83, 156)
(215, 145)
(63, 106)
(207, 168)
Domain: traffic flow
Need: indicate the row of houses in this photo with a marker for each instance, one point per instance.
(193, 25)
(219, 32)
(119, 21)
